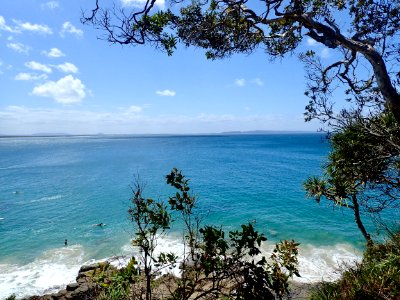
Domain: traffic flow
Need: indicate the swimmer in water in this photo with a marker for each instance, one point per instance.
(101, 224)
(66, 242)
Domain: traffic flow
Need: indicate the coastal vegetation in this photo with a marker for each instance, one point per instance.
(363, 169)
(214, 264)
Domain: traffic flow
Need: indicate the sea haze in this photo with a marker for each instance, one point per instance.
(57, 188)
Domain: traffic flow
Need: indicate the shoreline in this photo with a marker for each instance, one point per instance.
(85, 286)
(43, 277)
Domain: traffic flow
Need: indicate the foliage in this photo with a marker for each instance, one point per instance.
(213, 265)
(117, 285)
(12, 297)
(151, 220)
(363, 168)
(376, 277)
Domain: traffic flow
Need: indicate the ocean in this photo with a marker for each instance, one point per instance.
(57, 188)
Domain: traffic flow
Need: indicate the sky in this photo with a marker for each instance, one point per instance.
(59, 76)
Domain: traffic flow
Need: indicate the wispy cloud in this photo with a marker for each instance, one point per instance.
(50, 5)
(68, 28)
(5, 27)
(141, 3)
(67, 90)
(258, 81)
(18, 47)
(54, 53)
(24, 120)
(33, 65)
(36, 28)
(67, 68)
(166, 93)
(241, 82)
(30, 76)
(325, 53)
(133, 109)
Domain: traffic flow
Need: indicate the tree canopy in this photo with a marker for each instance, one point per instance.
(365, 33)
(363, 169)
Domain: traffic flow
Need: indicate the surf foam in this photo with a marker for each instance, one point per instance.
(57, 267)
(46, 274)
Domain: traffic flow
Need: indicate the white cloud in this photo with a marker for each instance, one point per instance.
(50, 5)
(38, 28)
(258, 82)
(67, 68)
(325, 53)
(25, 120)
(4, 26)
(18, 47)
(133, 109)
(141, 3)
(30, 76)
(240, 82)
(67, 90)
(33, 65)
(54, 53)
(166, 93)
(67, 27)
(311, 42)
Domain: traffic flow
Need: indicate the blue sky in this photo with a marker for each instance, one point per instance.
(57, 76)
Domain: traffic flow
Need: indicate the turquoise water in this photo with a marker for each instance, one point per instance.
(57, 188)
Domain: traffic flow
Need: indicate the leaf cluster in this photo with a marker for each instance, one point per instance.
(363, 167)
(214, 264)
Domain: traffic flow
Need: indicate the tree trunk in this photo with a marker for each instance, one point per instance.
(331, 37)
(388, 91)
(359, 222)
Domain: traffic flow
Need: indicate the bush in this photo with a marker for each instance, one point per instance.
(216, 264)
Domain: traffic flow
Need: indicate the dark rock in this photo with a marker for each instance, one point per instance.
(100, 265)
(88, 268)
(72, 286)
(60, 294)
(83, 288)
(81, 280)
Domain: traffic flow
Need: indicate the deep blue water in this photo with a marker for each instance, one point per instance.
(56, 188)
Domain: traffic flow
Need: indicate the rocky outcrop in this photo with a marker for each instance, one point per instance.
(84, 288)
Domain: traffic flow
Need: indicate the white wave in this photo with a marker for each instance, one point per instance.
(321, 263)
(315, 263)
(42, 199)
(46, 274)
(49, 198)
(325, 263)
(164, 244)
(57, 267)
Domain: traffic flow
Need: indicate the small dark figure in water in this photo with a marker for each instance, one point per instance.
(101, 224)
(65, 242)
